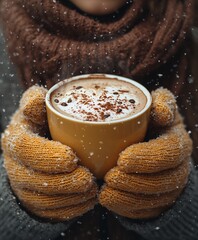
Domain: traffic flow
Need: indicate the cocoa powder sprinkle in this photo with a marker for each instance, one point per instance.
(119, 110)
(124, 91)
(97, 104)
(106, 116)
(132, 101)
(69, 100)
(64, 104)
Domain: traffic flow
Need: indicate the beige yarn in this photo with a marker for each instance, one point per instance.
(134, 202)
(43, 201)
(22, 141)
(137, 205)
(66, 213)
(44, 174)
(153, 183)
(163, 102)
(33, 151)
(78, 181)
(151, 175)
(33, 104)
(165, 152)
(46, 178)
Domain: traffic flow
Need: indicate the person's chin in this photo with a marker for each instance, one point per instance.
(98, 7)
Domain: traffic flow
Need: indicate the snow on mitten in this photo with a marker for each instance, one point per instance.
(44, 174)
(150, 176)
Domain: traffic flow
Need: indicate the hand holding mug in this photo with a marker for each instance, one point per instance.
(98, 115)
(150, 176)
(44, 174)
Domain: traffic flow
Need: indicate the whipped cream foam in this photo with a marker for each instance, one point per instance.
(98, 100)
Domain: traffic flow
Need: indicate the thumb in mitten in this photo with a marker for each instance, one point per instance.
(44, 170)
(151, 175)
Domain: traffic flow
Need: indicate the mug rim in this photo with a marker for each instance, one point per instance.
(84, 76)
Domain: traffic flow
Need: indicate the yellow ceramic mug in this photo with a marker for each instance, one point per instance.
(98, 144)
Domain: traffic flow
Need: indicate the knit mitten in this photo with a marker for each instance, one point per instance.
(178, 223)
(150, 176)
(17, 224)
(44, 174)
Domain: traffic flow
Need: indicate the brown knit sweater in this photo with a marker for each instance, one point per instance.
(145, 40)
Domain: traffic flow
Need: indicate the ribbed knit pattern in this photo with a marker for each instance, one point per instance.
(129, 204)
(178, 223)
(61, 41)
(22, 137)
(80, 180)
(43, 201)
(161, 182)
(151, 175)
(166, 152)
(16, 223)
(44, 174)
(33, 105)
(129, 191)
(163, 102)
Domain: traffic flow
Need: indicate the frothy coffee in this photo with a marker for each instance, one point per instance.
(98, 100)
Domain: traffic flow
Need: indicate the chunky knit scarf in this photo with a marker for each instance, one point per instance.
(50, 40)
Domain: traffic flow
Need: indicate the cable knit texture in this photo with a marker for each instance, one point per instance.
(60, 41)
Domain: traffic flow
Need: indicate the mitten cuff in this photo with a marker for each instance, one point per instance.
(180, 222)
(16, 223)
